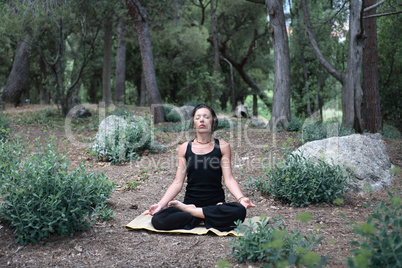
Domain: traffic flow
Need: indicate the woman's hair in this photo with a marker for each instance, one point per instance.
(214, 117)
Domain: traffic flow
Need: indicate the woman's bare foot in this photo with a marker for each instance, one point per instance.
(191, 209)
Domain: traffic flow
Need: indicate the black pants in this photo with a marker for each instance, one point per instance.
(221, 217)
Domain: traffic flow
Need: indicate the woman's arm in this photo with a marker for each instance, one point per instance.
(228, 177)
(177, 184)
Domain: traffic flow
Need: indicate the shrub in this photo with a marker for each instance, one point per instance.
(4, 127)
(276, 246)
(126, 145)
(318, 130)
(299, 181)
(295, 124)
(381, 237)
(390, 132)
(41, 197)
(224, 123)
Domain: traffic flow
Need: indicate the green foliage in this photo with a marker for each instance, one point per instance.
(127, 143)
(317, 130)
(380, 243)
(41, 196)
(171, 116)
(103, 212)
(299, 181)
(4, 127)
(276, 247)
(391, 132)
(295, 124)
(46, 117)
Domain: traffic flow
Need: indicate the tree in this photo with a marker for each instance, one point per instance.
(215, 46)
(107, 61)
(18, 80)
(141, 25)
(120, 89)
(277, 29)
(371, 91)
(351, 90)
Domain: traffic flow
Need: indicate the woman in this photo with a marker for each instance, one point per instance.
(204, 160)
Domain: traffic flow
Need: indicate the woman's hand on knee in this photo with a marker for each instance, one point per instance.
(246, 202)
(153, 209)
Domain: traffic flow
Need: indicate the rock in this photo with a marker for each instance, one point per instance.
(258, 123)
(183, 111)
(364, 156)
(242, 112)
(82, 113)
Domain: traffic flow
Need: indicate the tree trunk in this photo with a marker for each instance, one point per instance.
(306, 83)
(373, 119)
(120, 91)
(43, 93)
(351, 89)
(281, 98)
(216, 49)
(18, 80)
(352, 93)
(141, 25)
(107, 62)
(143, 91)
(255, 105)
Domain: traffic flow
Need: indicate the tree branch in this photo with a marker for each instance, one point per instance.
(374, 6)
(334, 72)
(257, 1)
(381, 15)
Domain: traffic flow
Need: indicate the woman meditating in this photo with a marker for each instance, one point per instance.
(204, 160)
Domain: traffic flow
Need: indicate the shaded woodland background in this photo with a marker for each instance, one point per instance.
(282, 59)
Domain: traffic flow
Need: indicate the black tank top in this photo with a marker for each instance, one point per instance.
(204, 177)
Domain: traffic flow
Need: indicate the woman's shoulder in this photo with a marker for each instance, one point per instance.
(183, 148)
(224, 145)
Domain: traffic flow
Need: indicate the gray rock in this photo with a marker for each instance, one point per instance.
(82, 113)
(258, 123)
(242, 112)
(364, 156)
(183, 111)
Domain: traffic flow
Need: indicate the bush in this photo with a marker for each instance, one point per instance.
(390, 132)
(41, 197)
(4, 127)
(381, 237)
(300, 181)
(127, 144)
(319, 130)
(276, 246)
(295, 124)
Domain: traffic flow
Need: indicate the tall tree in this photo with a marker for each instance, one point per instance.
(120, 90)
(216, 48)
(107, 61)
(18, 80)
(351, 90)
(371, 93)
(141, 25)
(277, 29)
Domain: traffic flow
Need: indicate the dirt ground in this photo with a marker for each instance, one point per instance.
(109, 244)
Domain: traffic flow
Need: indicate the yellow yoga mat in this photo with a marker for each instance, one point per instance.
(144, 222)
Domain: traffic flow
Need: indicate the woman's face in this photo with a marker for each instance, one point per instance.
(203, 120)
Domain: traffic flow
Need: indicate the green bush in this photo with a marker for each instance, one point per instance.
(275, 246)
(4, 127)
(39, 195)
(299, 181)
(321, 130)
(127, 144)
(381, 237)
(390, 132)
(295, 124)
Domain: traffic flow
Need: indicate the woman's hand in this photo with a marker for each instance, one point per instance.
(153, 209)
(246, 202)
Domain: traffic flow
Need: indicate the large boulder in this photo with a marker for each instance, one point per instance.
(183, 111)
(364, 156)
(108, 128)
(241, 111)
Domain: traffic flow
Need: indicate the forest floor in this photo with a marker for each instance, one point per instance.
(109, 244)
